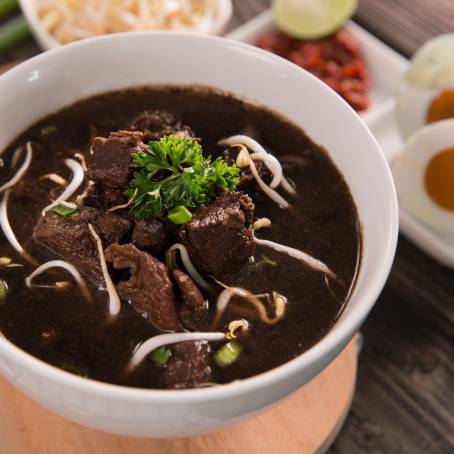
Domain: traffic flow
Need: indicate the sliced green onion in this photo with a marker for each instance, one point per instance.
(65, 211)
(228, 354)
(6, 6)
(3, 289)
(161, 355)
(48, 130)
(74, 369)
(12, 32)
(180, 215)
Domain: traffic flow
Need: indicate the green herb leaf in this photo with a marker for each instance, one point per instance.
(65, 211)
(173, 175)
(228, 354)
(161, 355)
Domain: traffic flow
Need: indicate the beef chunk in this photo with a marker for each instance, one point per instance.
(149, 288)
(104, 198)
(111, 226)
(188, 366)
(70, 238)
(248, 207)
(152, 236)
(109, 165)
(218, 238)
(155, 124)
(194, 311)
(189, 290)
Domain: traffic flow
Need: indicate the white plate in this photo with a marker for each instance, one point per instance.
(385, 130)
(386, 68)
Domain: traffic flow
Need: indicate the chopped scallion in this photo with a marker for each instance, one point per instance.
(13, 32)
(3, 289)
(6, 6)
(48, 130)
(65, 211)
(228, 354)
(161, 355)
(74, 369)
(180, 215)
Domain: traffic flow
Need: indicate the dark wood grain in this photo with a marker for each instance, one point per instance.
(405, 396)
(406, 24)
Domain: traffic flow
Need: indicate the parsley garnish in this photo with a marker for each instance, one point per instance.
(175, 175)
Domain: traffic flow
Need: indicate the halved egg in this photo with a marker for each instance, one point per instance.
(426, 94)
(424, 176)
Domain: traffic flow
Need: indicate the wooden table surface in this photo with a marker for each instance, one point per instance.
(405, 397)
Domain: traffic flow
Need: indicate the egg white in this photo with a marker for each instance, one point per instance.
(431, 71)
(409, 168)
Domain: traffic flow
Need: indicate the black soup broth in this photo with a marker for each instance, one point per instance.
(59, 327)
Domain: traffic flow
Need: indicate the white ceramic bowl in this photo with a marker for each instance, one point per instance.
(47, 41)
(60, 77)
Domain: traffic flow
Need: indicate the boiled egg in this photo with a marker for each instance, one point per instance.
(424, 177)
(426, 94)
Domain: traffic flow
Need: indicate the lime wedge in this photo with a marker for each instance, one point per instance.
(312, 19)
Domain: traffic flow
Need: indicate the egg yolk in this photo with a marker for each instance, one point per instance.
(439, 179)
(441, 108)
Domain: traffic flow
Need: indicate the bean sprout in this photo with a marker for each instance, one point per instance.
(71, 20)
(253, 145)
(82, 160)
(80, 199)
(78, 177)
(55, 178)
(260, 224)
(114, 299)
(8, 231)
(145, 348)
(271, 193)
(190, 268)
(23, 168)
(68, 267)
(310, 261)
(229, 292)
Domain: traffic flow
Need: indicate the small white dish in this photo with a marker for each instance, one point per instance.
(386, 66)
(386, 131)
(60, 77)
(46, 41)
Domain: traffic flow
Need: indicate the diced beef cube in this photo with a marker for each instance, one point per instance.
(155, 124)
(188, 366)
(189, 290)
(248, 207)
(104, 198)
(152, 236)
(109, 165)
(193, 313)
(218, 237)
(149, 288)
(70, 238)
(111, 226)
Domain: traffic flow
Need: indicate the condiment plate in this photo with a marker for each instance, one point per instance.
(386, 68)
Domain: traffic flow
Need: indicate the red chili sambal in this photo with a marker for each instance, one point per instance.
(336, 60)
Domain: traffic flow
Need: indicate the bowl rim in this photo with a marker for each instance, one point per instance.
(341, 332)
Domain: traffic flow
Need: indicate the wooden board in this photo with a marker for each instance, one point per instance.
(307, 422)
